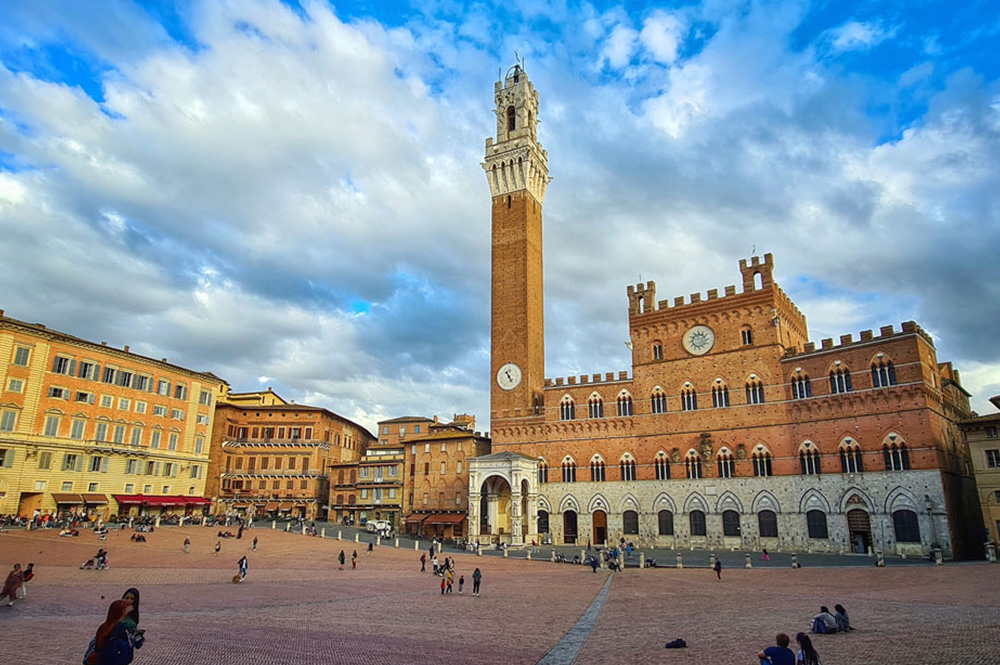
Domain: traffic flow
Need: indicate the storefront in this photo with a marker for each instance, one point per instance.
(444, 525)
(141, 505)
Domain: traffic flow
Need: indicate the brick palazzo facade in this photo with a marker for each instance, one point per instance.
(733, 430)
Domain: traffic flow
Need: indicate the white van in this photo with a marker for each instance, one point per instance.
(381, 527)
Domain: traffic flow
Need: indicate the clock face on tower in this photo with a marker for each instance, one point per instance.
(509, 376)
(699, 340)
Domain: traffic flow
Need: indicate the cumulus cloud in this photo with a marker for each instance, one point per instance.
(294, 198)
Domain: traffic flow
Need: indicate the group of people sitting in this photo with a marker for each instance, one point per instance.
(226, 534)
(780, 654)
(825, 622)
(138, 538)
(68, 533)
(99, 561)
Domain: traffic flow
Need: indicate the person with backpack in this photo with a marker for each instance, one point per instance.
(29, 573)
(477, 578)
(111, 645)
(12, 585)
(718, 569)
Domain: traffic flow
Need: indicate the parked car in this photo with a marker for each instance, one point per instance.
(381, 527)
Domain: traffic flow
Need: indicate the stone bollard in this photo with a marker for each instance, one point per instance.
(357, 537)
(552, 556)
(416, 545)
(529, 555)
(130, 522)
(322, 532)
(938, 557)
(621, 560)
(378, 541)
(397, 543)
(288, 526)
(479, 551)
(991, 552)
(505, 552)
(157, 521)
(711, 560)
(680, 561)
(303, 529)
(274, 524)
(749, 565)
(795, 560)
(879, 559)
(583, 555)
(642, 560)
(340, 534)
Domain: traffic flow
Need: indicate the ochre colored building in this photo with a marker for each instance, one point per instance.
(732, 429)
(87, 428)
(982, 434)
(271, 458)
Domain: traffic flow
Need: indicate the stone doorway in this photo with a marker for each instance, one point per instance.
(569, 527)
(600, 527)
(860, 529)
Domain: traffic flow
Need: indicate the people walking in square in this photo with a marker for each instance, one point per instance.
(371, 546)
(718, 569)
(450, 577)
(218, 547)
(423, 562)
(243, 567)
(341, 558)
(443, 585)
(765, 556)
(255, 543)
(354, 560)
(477, 579)
(187, 546)
(13, 584)
(434, 563)
(461, 582)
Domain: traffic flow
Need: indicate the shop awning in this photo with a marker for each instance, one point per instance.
(163, 500)
(415, 519)
(95, 498)
(61, 497)
(128, 499)
(197, 501)
(446, 518)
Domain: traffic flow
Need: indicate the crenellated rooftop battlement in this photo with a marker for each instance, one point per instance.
(584, 379)
(867, 336)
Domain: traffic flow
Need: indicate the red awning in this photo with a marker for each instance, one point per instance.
(446, 518)
(63, 497)
(197, 501)
(415, 519)
(163, 500)
(128, 499)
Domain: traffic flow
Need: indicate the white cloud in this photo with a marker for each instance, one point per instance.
(859, 36)
(620, 46)
(662, 35)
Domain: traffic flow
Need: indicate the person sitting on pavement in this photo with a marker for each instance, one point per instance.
(843, 622)
(824, 622)
(807, 654)
(779, 654)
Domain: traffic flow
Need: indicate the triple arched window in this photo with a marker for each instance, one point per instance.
(689, 399)
(597, 470)
(755, 392)
(658, 401)
(801, 387)
(897, 457)
(883, 374)
(567, 409)
(596, 406)
(809, 460)
(761, 463)
(720, 396)
(840, 381)
(568, 471)
(624, 405)
(662, 465)
(726, 464)
(851, 460)
(543, 472)
(693, 465)
(628, 469)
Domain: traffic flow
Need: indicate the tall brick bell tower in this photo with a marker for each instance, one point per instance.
(517, 170)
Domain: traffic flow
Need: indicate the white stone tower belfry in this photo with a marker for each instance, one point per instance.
(517, 171)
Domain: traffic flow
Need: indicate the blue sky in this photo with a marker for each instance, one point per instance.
(289, 194)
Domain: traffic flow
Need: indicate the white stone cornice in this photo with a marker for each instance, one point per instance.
(517, 165)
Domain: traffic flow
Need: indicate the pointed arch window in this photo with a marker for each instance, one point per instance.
(697, 521)
(767, 524)
(689, 399)
(665, 522)
(761, 463)
(625, 405)
(840, 381)
(511, 118)
(662, 465)
(801, 387)
(596, 407)
(628, 469)
(816, 524)
(883, 374)
(658, 401)
(720, 396)
(543, 472)
(755, 392)
(597, 471)
(851, 460)
(726, 464)
(567, 409)
(897, 457)
(693, 466)
(657, 351)
(568, 472)
(809, 460)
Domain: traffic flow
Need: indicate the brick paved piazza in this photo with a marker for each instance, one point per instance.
(297, 607)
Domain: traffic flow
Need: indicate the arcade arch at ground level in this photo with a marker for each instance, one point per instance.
(503, 499)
